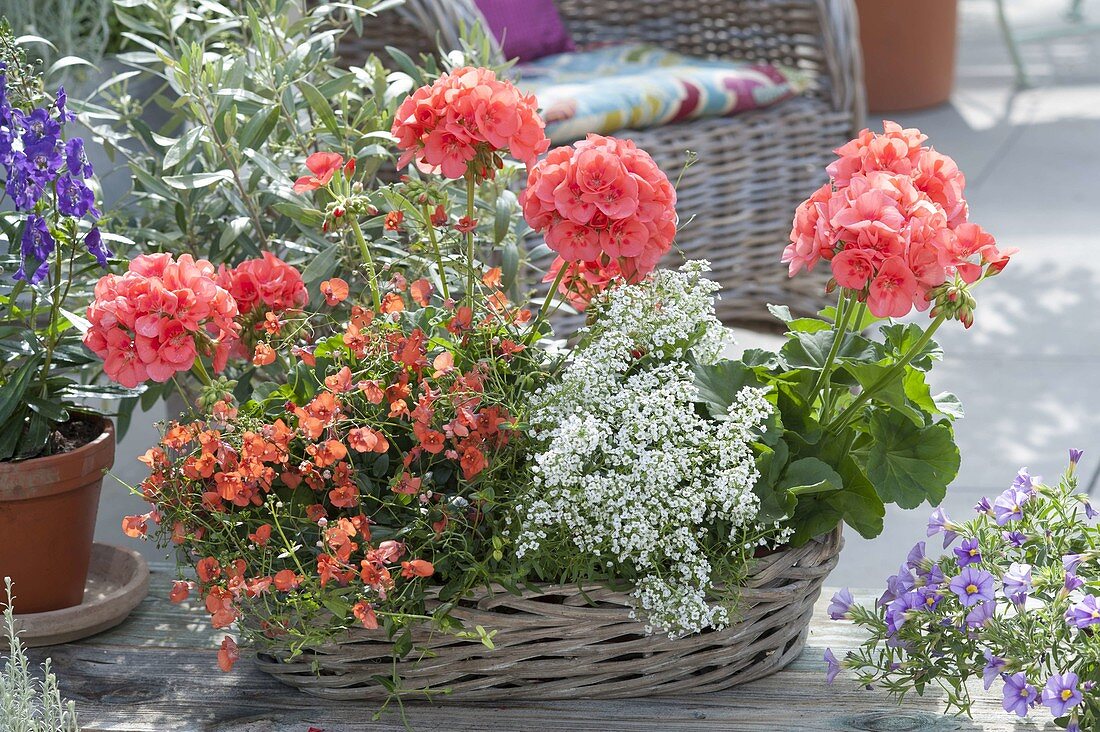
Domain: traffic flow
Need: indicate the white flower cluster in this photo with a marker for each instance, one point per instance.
(628, 468)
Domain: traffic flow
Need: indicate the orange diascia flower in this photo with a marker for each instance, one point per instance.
(421, 291)
(416, 568)
(340, 381)
(365, 439)
(261, 536)
(392, 303)
(327, 452)
(492, 278)
(286, 580)
(335, 291)
(393, 220)
(134, 526)
(228, 654)
(344, 496)
(364, 613)
(180, 591)
(207, 569)
(264, 355)
(318, 414)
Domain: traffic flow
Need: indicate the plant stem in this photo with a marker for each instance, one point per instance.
(470, 239)
(435, 248)
(844, 308)
(199, 371)
(866, 394)
(544, 309)
(372, 274)
(53, 335)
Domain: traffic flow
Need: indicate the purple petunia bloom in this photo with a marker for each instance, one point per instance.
(930, 597)
(840, 604)
(1015, 538)
(94, 242)
(1084, 613)
(896, 586)
(1090, 512)
(1061, 693)
(1075, 455)
(833, 665)
(1009, 506)
(932, 578)
(1073, 582)
(939, 522)
(972, 585)
(36, 246)
(968, 553)
(993, 668)
(1018, 694)
(1017, 583)
(983, 506)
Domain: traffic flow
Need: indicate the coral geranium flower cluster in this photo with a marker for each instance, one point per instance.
(461, 121)
(892, 223)
(602, 202)
(267, 282)
(156, 319)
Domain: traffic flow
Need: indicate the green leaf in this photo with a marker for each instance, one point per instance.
(322, 266)
(754, 357)
(775, 503)
(183, 147)
(197, 180)
(810, 475)
(859, 503)
(948, 405)
(719, 384)
(34, 439)
(12, 393)
(811, 350)
(782, 312)
(53, 411)
(900, 337)
(256, 130)
(320, 105)
(907, 464)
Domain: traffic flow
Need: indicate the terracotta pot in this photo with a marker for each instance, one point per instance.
(47, 520)
(908, 52)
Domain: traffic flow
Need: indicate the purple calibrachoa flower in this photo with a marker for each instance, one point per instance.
(983, 506)
(1070, 562)
(897, 585)
(930, 597)
(993, 668)
(968, 553)
(1018, 694)
(916, 556)
(1024, 482)
(833, 665)
(1061, 693)
(840, 604)
(932, 578)
(1090, 512)
(972, 585)
(1017, 583)
(898, 611)
(1015, 538)
(979, 615)
(1073, 582)
(939, 522)
(1075, 456)
(1084, 613)
(1009, 506)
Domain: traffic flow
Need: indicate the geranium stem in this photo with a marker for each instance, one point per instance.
(435, 249)
(844, 308)
(470, 239)
(546, 302)
(372, 274)
(865, 396)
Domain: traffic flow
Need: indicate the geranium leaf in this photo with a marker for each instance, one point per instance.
(907, 464)
(719, 383)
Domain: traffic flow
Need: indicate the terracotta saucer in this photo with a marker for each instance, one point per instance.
(118, 580)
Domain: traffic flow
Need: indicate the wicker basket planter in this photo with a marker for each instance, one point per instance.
(565, 642)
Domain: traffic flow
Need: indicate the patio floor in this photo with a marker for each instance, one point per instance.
(1027, 371)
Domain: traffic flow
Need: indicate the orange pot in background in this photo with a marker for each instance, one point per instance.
(48, 509)
(908, 52)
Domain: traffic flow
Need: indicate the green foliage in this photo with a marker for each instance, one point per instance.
(857, 425)
(27, 704)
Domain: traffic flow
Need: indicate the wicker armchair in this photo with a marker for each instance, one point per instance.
(738, 200)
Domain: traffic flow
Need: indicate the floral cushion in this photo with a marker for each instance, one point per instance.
(635, 86)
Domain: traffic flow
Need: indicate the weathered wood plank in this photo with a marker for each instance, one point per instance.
(157, 673)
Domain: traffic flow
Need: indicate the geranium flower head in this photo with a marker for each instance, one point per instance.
(323, 165)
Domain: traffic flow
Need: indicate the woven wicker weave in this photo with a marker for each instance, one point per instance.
(738, 200)
(565, 642)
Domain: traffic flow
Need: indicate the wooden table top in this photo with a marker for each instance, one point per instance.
(157, 672)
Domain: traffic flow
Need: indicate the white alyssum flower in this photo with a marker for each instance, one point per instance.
(629, 468)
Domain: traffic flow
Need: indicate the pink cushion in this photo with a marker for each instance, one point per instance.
(526, 29)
